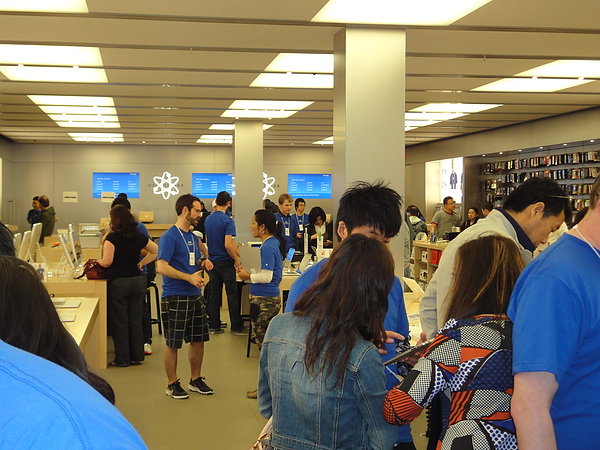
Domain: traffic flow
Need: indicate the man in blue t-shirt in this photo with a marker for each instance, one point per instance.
(555, 308)
(289, 226)
(46, 406)
(182, 305)
(372, 210)
(300, 220)
(223, 253)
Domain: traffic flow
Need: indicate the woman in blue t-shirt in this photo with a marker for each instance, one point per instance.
(264, 289)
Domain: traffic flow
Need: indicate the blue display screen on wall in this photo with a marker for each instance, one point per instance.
(208, 185)
(309, 185)
(117, 182)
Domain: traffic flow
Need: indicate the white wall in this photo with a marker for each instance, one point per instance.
(52, 169)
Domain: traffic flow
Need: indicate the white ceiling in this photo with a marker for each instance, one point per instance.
(197, 56)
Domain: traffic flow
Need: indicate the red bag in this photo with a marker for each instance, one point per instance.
(93, 271)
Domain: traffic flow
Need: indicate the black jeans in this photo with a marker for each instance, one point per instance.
(223, 273)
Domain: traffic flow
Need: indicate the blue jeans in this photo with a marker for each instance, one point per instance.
(223, 273)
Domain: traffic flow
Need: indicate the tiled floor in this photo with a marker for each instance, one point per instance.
(225, 420)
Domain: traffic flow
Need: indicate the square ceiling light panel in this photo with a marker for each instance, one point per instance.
(326, 141)
(269, 109)
(565, 69)
(530, 85)
(396, 12)
(467, 108)
(78, 111)
(302, 63)
(65, 6)
(52, 63)
(215, 139)
(97, 137)
(294, 80)
(231, 126)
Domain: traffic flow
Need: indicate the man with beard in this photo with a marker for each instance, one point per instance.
(183, 309)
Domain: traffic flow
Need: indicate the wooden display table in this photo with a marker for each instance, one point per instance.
(156, 230)
(85, 329)
(67, 286)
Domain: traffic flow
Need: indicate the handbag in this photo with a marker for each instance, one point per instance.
(264, 438)
(93, 270)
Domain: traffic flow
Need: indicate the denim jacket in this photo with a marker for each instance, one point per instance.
(308, 413)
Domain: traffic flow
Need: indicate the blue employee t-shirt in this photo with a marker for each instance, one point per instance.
(174, 247)
(46, 406)
(217, 226)
(270, 259)
(289, 229)
(555, 307)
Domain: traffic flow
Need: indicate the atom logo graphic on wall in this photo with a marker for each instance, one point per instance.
(166, 185)
(268, 182)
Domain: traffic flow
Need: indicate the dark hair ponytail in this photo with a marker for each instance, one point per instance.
(272, 225)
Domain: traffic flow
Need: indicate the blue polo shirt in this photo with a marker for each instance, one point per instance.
(270, 259)
(174, 246)
(217, 226)
(289, 229)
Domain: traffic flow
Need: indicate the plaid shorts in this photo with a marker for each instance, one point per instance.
(184, 318)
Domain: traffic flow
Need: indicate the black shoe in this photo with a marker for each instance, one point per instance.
(405, 446)
(223, 325)
(198, 385)
(175, 391)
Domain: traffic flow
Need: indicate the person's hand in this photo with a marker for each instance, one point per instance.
(244, 275)
(207, 264)
(238, 264)
(391, 337)
(412, 360)
(196, 279)
(140, 266)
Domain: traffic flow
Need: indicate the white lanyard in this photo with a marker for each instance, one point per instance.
(576, 228)
(286, 225)
(300, 222)
(192, 255)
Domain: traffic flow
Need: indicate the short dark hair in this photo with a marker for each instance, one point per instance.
(44, 201)
(488, 206)
(122, 195)
(121, 201)
(223, 198)
(185, 200)
(414, 211)
(536, 189)
(447, 199)
(298, 200)
(36, 198)
(314, 214)
(474, 209)
(7, 243)
(375, 205)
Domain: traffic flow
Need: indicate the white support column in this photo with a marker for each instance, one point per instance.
(248, 169)
(368, 109)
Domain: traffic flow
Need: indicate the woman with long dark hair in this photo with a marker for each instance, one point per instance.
(321, 376)
(318, 225)
(126, 287)
(469, 363)
(264, 289)
(29, 321)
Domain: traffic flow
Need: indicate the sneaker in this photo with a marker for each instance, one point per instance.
(252, 394)
(175, 391)
(198, 385)
(147, 349)
(243, 332)
(215, 331)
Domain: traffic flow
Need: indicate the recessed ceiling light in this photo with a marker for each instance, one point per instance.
(215, 139)
(500, 153)
(415, 12)
(456, 107)
(530, 85)
(68, 6)
(482, 155)
(592, 140)
(302, 62)
(295, 80)
(269, 104)
(72, 100)
(431, 116)
(81, 124)
(326, 141)
(231, 126)
(565, 68)
(106, 110)
(54, 74)
(97, 137)
(50, 55)
(83, 118)
(257, 114)
(520, 150)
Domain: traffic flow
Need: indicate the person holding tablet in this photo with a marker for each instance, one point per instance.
(468, 366)
(264, 288)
